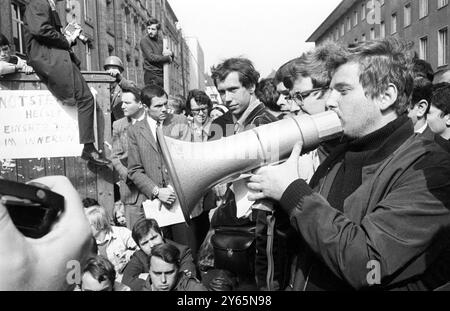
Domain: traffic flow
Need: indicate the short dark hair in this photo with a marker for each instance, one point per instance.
(381, 62)
(143, 227)
(200, 97)
(423, 69)
(153, 21)
(101, 269)
(440, 98)
(267, 93)
(313, 65)
(283, 71)
(3, 40)
(88, 202)
(133, 90)
(423, 90)
(248, 76)
(167, 252)
(151, 91)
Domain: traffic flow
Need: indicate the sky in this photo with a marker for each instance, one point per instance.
(268, 32)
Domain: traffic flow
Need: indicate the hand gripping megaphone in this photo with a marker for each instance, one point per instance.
(194, 168)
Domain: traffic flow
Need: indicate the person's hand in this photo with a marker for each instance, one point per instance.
(44, 264)
(167, 52)
(71, 38)
(167, 196)
(27, 69)
(113, 72)
(271, 181)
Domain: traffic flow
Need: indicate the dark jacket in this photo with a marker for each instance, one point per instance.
(116, 96)
(226, 214)
(140, 263)
(393, 227)
(48, 51)
(152, 50)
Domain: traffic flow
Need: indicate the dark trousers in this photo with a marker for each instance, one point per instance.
(151, 78)
(133, 213)
(192, 235)
(85, 105)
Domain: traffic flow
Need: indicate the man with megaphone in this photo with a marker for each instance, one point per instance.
(375, 215)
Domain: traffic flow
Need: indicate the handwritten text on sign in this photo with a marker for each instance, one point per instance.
(33, 124)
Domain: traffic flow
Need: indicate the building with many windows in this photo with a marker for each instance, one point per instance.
(114, 27)
(425, 22)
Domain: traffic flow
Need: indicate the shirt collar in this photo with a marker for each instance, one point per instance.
(254, 102)
(52, 4)
(422, 129)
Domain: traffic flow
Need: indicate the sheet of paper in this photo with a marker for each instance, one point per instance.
(165, 217)
(241, 191)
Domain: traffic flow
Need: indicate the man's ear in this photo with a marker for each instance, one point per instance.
(388, 98)
(422, 108)
(447, 120)
(252, 89)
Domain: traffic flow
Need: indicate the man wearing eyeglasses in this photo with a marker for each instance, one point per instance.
(287, 107)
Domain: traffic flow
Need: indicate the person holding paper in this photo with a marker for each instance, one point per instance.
(50, 54)
(146, 167)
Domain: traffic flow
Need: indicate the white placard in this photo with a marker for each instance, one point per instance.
(34, 124)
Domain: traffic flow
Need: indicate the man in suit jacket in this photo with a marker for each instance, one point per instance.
(146, 168)
(50, 54)
(134, 111)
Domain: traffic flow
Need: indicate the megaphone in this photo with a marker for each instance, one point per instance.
(194, 168)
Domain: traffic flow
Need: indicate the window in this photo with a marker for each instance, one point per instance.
(372, 33)
(89, 10)
(363, 37)
(407, 14)
(442, 46)
(88, 58)
(423, 8)
(355, 18)
(393, 23)
(382, 30)
(349, 24)
(126, 25)
(342, 30)
(336, 34)
(363, 11)
(442, 3)
(18, 11)
(423, 48)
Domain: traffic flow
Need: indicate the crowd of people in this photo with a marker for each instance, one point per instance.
(369, 210)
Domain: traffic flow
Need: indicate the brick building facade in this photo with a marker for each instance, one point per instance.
(425, 22)
(114, 27)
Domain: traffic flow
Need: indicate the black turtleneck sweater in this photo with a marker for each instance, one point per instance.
(357, 154)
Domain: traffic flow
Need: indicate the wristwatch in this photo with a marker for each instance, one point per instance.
(155, 192)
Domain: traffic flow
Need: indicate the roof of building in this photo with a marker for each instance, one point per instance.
(341, 9)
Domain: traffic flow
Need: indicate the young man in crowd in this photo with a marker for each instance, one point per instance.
(165, 274)
(147, 234)
(11, 63)
(133, 111)
(155, 56)
(375, 213)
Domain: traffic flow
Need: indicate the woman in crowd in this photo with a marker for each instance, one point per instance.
(114, 243)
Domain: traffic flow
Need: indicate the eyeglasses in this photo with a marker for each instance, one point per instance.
(198, 110)
(301, 96)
